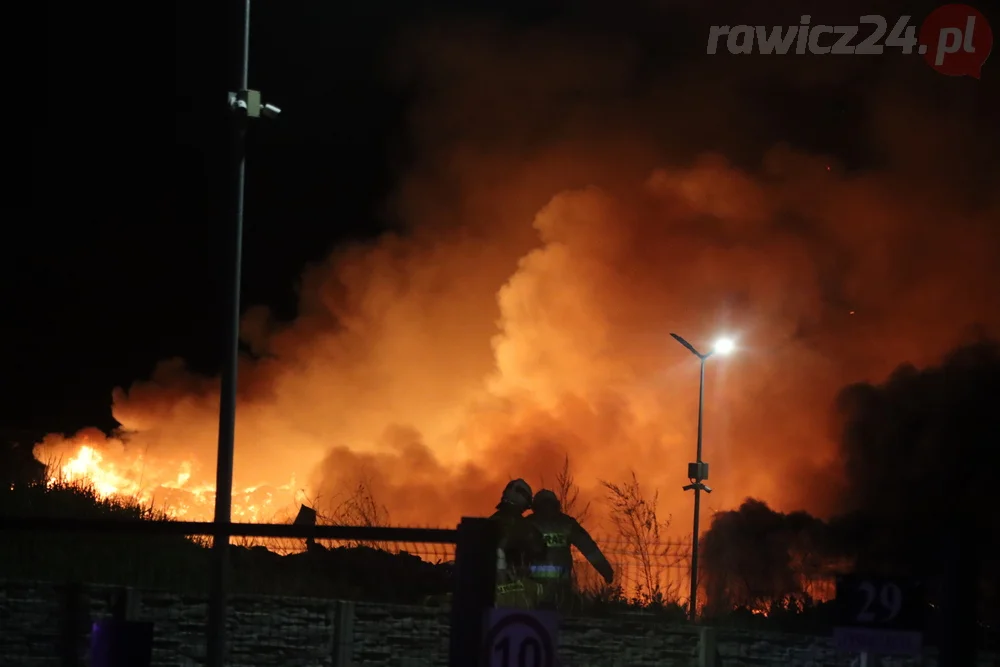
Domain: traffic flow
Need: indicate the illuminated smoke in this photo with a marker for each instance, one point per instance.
(561, 224)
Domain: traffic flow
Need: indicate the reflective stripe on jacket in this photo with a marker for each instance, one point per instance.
(549, 572)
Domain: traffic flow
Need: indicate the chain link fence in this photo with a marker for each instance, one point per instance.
(360, 599)
(306, 600)
(662, 570)
(326, 596)
(659, 575)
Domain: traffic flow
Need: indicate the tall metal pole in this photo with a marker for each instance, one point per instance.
(216, 649)
(693, 608)
(697, 473)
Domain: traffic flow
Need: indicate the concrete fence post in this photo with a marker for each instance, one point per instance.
(122, 641)
(343, 633)
(708, 652)
(124, 604)
(75, 625)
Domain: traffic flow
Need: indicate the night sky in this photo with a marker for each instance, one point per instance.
(119, 265)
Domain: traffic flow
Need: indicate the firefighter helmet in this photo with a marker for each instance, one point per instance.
(517, 494)
(546, 501)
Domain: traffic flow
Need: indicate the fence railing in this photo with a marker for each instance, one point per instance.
(400, 553)
(283, 608)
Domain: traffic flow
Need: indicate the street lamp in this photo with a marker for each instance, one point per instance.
(698, 471)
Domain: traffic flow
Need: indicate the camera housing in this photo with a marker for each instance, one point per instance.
(248, 104)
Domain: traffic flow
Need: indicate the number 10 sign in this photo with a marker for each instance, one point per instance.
(521, 639)
(881, 615)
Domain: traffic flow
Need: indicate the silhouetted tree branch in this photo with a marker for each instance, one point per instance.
(569, 494)
(359, 508)
(634, 517)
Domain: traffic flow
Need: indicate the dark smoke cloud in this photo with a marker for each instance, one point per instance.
(919, 452)
(754, 555)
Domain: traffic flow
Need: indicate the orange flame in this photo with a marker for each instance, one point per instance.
(168, 489)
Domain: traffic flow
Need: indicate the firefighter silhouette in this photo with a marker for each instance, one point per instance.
(521, 543)
(553, 572)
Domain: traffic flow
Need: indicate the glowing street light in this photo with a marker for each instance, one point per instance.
(724, 346)
(698, 471)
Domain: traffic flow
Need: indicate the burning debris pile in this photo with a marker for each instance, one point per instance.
(177, 486)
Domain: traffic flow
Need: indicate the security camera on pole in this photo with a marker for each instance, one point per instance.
(245, 104)
(698, 471)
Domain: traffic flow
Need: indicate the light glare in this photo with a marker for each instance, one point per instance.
(724, 346)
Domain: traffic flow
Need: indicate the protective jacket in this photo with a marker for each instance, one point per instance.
(560, 532)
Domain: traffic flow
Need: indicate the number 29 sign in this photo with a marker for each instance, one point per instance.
(880, 602)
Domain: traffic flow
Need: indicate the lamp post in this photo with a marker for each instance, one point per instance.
(698, 471)
(244, 105)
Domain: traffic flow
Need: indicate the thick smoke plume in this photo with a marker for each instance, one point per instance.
(917, 452)
(568, 211)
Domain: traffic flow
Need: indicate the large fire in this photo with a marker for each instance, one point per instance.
(559, 226)
(167, 488)
(437, 366)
